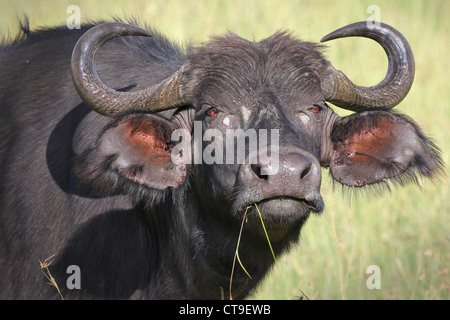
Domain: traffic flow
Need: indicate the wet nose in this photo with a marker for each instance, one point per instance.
(295, 174)
(293, 165)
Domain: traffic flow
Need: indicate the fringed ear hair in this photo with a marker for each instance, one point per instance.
(377, 146)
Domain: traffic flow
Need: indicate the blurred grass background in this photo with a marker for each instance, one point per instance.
(405, 232)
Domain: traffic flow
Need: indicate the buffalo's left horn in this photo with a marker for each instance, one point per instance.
(104, 100)
(339, 90)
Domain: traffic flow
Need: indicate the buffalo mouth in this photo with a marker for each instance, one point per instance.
(281, 205)
(281, 212)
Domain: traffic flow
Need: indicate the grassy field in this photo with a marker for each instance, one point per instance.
(406, 232)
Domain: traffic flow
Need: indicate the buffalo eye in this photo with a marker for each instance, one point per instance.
(211, 112)
(316, 109)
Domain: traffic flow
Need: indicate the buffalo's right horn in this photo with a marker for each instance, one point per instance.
(339, 90)
(168, 94)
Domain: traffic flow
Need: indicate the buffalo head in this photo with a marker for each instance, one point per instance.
(278, 86)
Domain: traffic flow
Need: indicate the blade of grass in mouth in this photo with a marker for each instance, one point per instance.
(236, 253)
(265, 231)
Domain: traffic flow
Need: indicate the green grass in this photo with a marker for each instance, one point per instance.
(407, 232)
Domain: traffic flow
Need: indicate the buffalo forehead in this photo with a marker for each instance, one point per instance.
(232, 68)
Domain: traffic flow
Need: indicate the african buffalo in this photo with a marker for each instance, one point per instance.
(96, 185)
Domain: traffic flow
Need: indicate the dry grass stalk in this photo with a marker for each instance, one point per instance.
(44, 268)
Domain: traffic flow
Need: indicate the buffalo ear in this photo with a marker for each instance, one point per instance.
(372, 146)
(137, 147)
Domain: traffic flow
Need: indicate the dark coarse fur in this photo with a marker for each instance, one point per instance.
(60, 197)
(131, 243)
(45, 209)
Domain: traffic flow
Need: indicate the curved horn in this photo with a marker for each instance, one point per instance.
(104, 100)
(339, 90)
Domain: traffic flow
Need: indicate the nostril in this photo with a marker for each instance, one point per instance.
(305, 171)
(257, 171)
